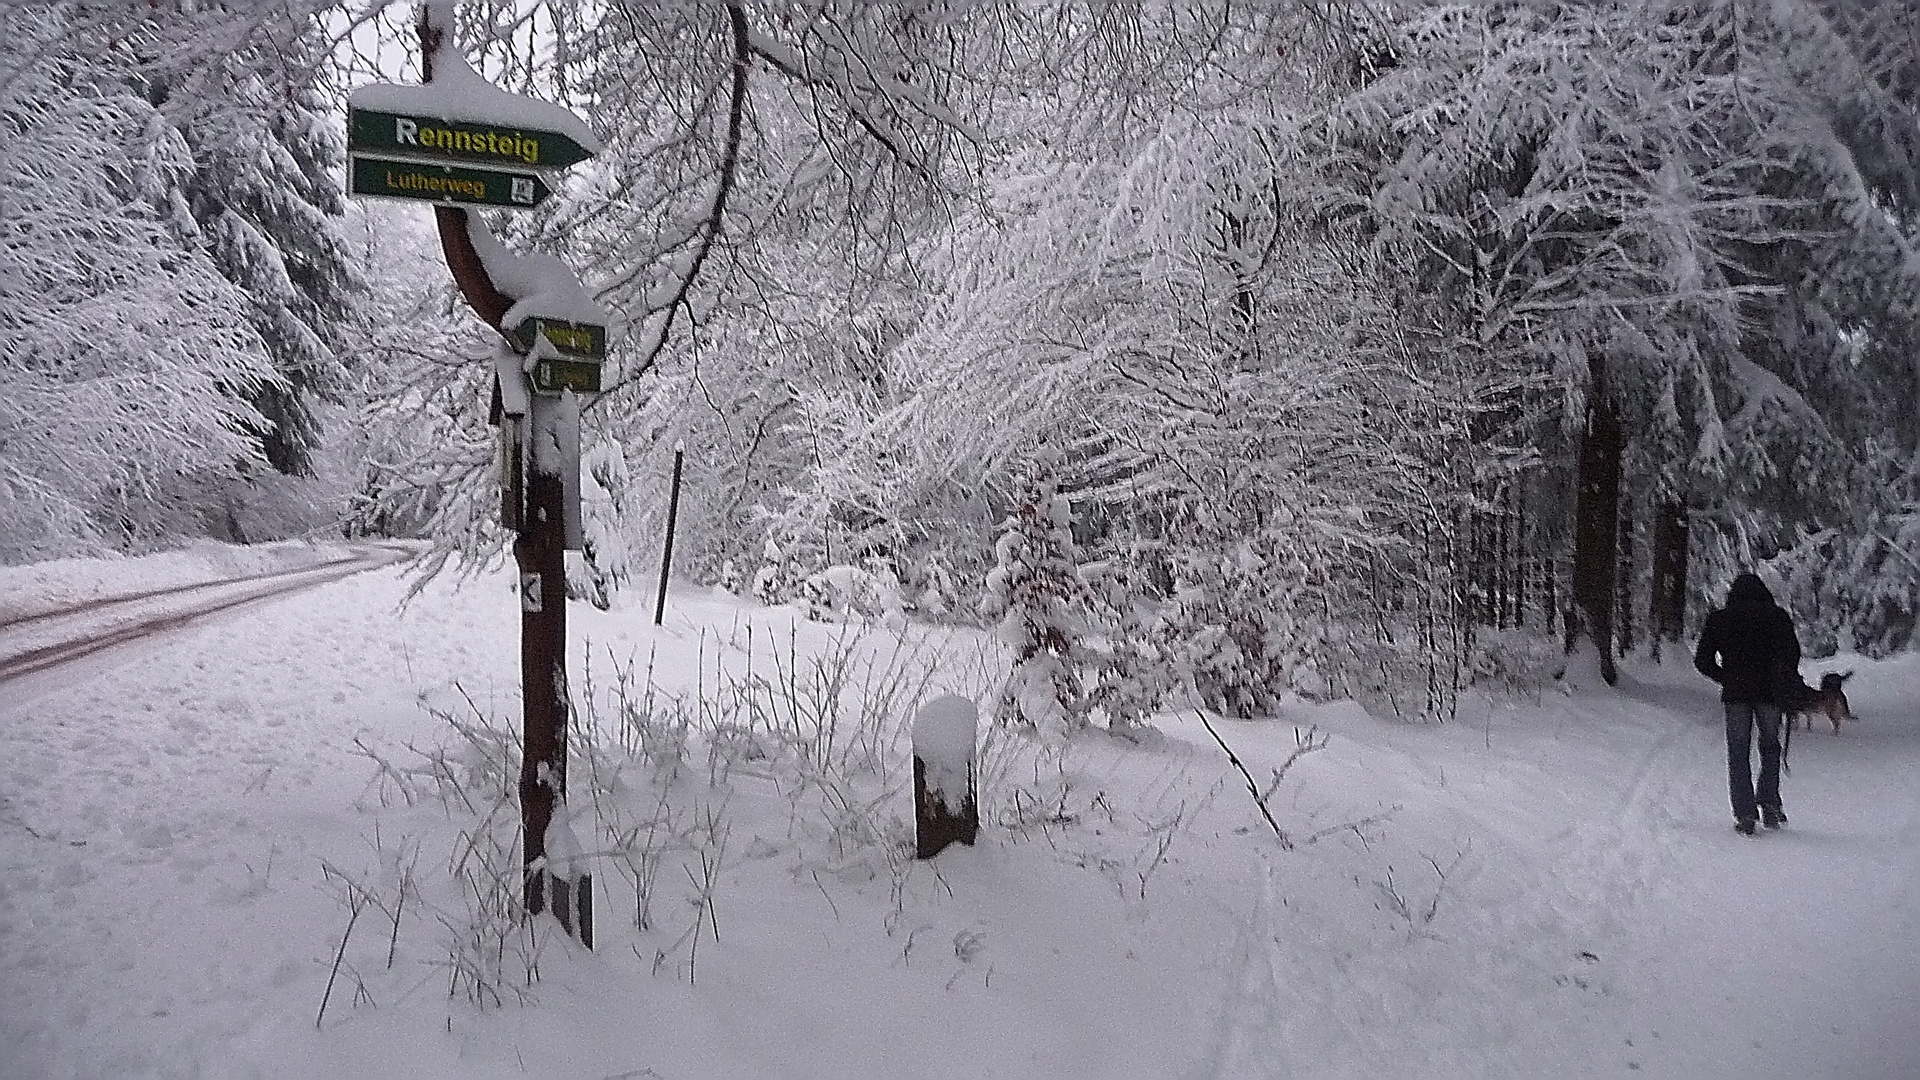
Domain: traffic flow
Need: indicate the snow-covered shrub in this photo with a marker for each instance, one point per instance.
(939, 594)
(783, 569)
(607, 558)
(1035, 596)
(799, 544)
(1516, 662)
(1131, 676)
(1242, 628)
(853, 592)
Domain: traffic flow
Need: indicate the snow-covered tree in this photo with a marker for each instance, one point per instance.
(1857, 587)
(1130, 677)
(1678, 210)
(128, 356)
(1036, 600)
(249, 94)
(731, 134)
(608, 556)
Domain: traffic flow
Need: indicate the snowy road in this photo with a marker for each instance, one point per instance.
(44, 640)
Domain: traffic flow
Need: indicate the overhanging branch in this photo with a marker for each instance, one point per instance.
(715, 220)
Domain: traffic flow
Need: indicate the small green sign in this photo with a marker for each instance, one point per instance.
(584, 341)
(458, 140)
(551, 376)
(447, 184)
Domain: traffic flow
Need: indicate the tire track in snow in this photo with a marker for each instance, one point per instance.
(105, 604)
(40, 642)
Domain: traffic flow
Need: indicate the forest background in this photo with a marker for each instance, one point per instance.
(1230, 349)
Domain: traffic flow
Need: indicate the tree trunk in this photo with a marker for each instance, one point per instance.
(1595, 529)
(1525, 558)
(1503, 560)
(1668, 604)
(1623, 587)
(1550, 586)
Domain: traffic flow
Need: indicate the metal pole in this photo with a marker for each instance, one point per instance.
(666, 558)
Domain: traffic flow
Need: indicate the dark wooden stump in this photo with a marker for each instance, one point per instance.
(943, 758)
(935, 824)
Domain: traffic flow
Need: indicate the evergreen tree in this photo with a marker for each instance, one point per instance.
(607, 556)
(1036, 598)
(1680, 212)
(248, 92)
(128, 356)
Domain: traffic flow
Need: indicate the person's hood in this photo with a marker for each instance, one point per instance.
(1749, 591)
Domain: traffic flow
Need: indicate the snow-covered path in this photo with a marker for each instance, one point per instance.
(1600, 917)
(150, 798)
(163, 816)
(1809, 939)
(42, 640)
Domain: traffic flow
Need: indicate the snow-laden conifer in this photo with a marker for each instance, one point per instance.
(128, 356)
(607, 555)
(1685, 214)
(249, 93)
(1036, 600)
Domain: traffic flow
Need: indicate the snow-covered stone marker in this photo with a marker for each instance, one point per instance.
(945, 806)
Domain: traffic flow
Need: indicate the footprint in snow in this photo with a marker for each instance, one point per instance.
(151, 836)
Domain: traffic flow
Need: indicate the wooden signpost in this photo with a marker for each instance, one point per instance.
(566, 355)
(455, 163)
(394, 179)
(386, 134)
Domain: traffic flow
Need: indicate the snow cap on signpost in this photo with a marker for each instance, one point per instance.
(459, 139)
(515, 129)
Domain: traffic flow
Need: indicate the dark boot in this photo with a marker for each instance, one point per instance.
(1744, 826)
(1772, 817)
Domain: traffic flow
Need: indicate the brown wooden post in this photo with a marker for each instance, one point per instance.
(539, 554)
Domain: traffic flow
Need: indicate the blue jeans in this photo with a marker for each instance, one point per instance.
(1742, 719)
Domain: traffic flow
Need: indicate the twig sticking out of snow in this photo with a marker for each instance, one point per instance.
(356, 903)
(1303, 744)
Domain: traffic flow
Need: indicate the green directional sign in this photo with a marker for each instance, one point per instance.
(575, 340)
(396, 134)
(447, 183)
(554, 374)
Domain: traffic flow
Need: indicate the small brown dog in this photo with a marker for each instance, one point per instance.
(1829, 701)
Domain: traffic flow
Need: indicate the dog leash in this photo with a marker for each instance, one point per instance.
(1786, 744)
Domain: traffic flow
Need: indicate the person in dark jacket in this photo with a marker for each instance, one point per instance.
(1750, 649)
